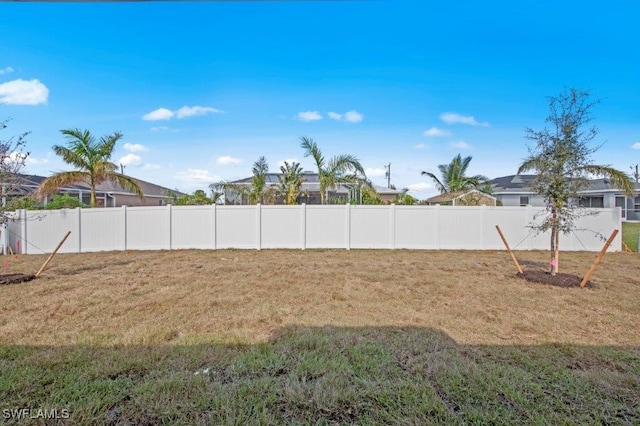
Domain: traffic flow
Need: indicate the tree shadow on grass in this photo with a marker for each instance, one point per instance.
(326, 375)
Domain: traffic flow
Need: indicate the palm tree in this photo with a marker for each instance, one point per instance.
(91, 158)
(291, 179)
(454, 177)
(332, 172)
(259, 180)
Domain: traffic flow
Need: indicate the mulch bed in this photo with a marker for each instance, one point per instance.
(558, 280)
(15, 278)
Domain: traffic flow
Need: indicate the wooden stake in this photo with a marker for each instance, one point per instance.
(513, 256)
(10, 250)
(52, 254)
(599, 258)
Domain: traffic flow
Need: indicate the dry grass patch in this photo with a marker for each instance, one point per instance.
(191, 296)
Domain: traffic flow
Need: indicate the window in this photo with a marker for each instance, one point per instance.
(636, 204)
(524, 201)
(592, 202)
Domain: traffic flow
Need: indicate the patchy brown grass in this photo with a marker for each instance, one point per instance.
(228, 296)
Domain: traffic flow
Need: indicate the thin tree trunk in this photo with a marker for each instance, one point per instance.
(557, 253)
(93, 195)
(554, 240)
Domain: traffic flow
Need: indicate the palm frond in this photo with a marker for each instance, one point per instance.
(435, 179)
(126, 182)
(59, 180)
(617, 178)
(311, 149)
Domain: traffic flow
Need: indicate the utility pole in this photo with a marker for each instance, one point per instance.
(121, 168)
(635, 174)
(387, 174)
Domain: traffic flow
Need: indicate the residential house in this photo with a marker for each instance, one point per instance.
(472, 197)
(310, 190)
(515, 190)
(107, 193)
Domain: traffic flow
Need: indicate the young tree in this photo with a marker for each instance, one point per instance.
(12, 161)
(92, 160)
(339, 169)
(454, 177)
(291, 179)
(561, 157)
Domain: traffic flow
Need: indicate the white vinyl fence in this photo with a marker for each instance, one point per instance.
(298, 227)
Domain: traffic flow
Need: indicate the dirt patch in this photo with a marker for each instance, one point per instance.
(15, 278)
(558, 280)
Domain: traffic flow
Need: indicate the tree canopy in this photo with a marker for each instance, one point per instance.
(454, 177)
(91, 158)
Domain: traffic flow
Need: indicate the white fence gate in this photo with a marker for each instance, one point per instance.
(298, 227)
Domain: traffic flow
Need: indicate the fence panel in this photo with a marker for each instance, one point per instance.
(148, 228)
(193, 227)
(327, 227)
(102, 230)
(237, 227)
(45, 229)
(416, 228)
(371, 227)
(460, 227)
(281, 226)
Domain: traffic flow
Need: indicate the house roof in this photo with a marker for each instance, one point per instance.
(149, 189)
(522, 183)
(443, 198)
(311, 183)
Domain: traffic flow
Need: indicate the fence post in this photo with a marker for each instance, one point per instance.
(214, 209)
(482, 209)
(526, 224)
(23, 232)
(437, 224)
(79, 210)
(124, 213)
(348, 226)
(259, 225)
(303, 225)
(169, 209)
(392, 225)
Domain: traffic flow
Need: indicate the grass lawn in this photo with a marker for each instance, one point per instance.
(630, 231)
(320, 336)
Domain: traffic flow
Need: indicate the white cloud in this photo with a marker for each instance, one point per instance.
(191, 111)
(374, 172)
(6, 70)
(334, 115)
(435, 132)
(23, 92)
(353, 117)
(460, 145)
(150, 166)
(420, 146)
(131, 160)
(421, 187)
(159, 128)
(34, 161)
(227, 160)
(158, 114)
(197, 176)
(135, 147)
(309, 116)
(454, 118)
(636, 145)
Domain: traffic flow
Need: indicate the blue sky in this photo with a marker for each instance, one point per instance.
(200, 90)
